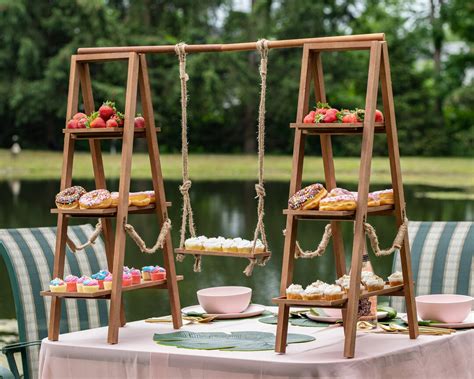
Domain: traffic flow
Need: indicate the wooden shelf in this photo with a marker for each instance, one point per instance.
(389, 291)
(105, 294)
(107, 212)
(336, 128)
(222, 253)
(338, 215)
(103, 133)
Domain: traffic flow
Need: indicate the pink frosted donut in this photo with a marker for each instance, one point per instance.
(338, 192)
(97, 199)
(338, 203)
(385, 196)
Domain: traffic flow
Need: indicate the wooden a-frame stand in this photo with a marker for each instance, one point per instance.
(312, 73)
(114, 241)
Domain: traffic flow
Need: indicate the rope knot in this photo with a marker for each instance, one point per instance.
(184, 188)
(260, 190)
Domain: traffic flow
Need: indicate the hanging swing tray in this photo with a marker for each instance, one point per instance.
(223, 253)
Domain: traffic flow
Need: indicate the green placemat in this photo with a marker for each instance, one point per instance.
(234, 341)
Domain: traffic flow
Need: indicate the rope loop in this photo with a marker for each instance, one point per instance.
(160, 241)
(396, 244)
(185, 187)
(93, 237)
(323, 244)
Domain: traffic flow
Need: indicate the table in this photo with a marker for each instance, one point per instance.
(85, 354)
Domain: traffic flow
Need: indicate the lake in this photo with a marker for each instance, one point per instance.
(221, 208)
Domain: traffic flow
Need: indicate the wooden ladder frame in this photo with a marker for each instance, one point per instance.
(114, 244)
(312, 70)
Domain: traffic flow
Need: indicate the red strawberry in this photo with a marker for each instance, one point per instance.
(322, 108)
(82, 123)
(111, 123)
(349, 118)
(378, 116)
(309, 118)
(330, 116)
(79, 115)
(97, 122)
(119, 118)
(107, 110)
(139, 122)
(72, 124)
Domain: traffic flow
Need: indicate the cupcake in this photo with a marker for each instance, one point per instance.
(319, 283)
(71, 283)
(346, 283)
(125, 269)
(294, 292)
(333, 292)
(100, 276)
(136, 275)
(158, 273)
(79, 283)
(374, 283)
(126, 279)
(365, 275)
(313, 293)
(108, 282)
(146, 272)
(259, 247)
(57, 285)
(342, 279)
(229, 246)
(395, 279)
(244, 247)
(193, 244)
(90, 285)
(212, 244)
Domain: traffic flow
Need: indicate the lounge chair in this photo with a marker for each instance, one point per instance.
(29, 255)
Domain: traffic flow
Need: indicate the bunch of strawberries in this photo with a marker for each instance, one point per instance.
(106, 117)
(324, 113)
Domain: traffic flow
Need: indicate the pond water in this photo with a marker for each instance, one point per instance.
(221, 208)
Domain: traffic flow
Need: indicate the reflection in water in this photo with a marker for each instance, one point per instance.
(221, 208)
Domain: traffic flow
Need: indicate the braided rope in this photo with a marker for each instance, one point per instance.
(187, 218)
(397, 242)
(160, 241)
(323, 244)
(90, 241)
(262, 47)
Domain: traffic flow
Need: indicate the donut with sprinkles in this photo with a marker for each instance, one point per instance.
(308, 197)
(69, 198)
(97, 199)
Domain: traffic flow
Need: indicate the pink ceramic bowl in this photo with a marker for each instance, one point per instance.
(444, 307)
(230, 299)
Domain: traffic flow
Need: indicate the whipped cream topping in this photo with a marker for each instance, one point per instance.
(374, 281)
(71, 279)
(312, 290)
(332, 289)
(396, 276)
(295, 288)
(57, 282)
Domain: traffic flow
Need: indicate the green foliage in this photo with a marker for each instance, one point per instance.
(433, 96)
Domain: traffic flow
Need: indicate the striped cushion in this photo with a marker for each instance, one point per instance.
(441, 254)
(29, 257)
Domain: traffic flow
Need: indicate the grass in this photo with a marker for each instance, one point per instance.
(456, 173)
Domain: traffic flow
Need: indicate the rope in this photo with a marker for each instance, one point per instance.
(323, 244)
(91, 241)
(254, 262)
(397, 242)
(187, 218)
(160, 241)
(262, 47)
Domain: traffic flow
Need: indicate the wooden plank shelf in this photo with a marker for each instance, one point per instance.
(336, 128)
(103, 133)
(105, 294)
(381, 210)
(223, 253)
(387, 291)
(107, 212)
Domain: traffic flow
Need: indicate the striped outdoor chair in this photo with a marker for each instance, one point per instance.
(29, 256)
(441, 255)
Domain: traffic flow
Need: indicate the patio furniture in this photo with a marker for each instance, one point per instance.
(441, 254)
(86, 354)
(29, 256)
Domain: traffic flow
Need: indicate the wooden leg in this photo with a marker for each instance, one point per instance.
(122, 208)
(397, 185)
(58, 272)
(282, 328)
(159, 188)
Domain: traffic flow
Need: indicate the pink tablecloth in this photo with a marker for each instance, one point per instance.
(86, 355)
